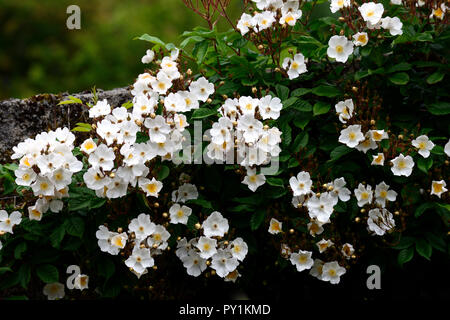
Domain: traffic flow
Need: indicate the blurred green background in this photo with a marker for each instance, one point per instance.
(38, 54)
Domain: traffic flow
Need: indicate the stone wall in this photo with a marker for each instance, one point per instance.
(21, 119)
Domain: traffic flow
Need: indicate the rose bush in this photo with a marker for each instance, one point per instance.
(314, 141)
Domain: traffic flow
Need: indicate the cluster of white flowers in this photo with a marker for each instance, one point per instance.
(320, 207)
(187, 191)
(210, 250)
(46, 164)
(340, 48)
(324, 271)
(239, 129)
(272, 11)
(145, 238)
(117, 160)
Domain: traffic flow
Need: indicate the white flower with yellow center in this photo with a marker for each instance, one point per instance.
(347, 250)
(119, 240)
(179, 214)
(275, 226)
(140, 260)
(270, 107)
(102, 108)
(238, 248)
(371, 12)
(141, 226)
(344, 109)
(364, 195)
(323, 245)
(253, 180)
(302, 260)
(7, 222)
(315, 227)
(25, 177)
(438, 188)
(378, 135)
(301, 185)
(424, 145)
(264, 20)
(367, 144)
(161, 83)
(296, 66)
(43, 187)
(402, 166)
(245, 23)
(335, 5)
(321, 208)
(81, 282)
(193, 263)
(378, 159)
(223, 263)
(291, 17)
(332, 272)
(360, 39)
(54, 291)
(150, 187)
(88, 146)
(105, 237)
(201, 89)
(158, 239)
(351, 136)
(207, 247)
(339, 48)
(383, 194)
(215, 225)
(439, 12)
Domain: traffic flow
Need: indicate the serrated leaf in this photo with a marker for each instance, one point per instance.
(405, 255)
(423, 248)
(425, 164)
(47, 273)
(20, 250)
(74, 226)
(321, 108)
(57, 236)
(257, 219)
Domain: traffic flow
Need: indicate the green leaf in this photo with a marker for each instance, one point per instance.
(276, 182)
(422, 208)
(402, 66)
(105, 267)
(423, 248)
(326, 91)
(300, 92)
(201, 202)
(339, 152)
(404, 243)
(282, 92)
(436, 241)
(400, 78)
(435, 77)
(405, 255)
(300, 141)
(20, 250)
(302, 120)
(200, 49)
(151, 39)
(71, 100)
(5, 269)
(57, 235)
(439, 108)
(74, 226)
(257, 219)
(163, 173)
(424, 164)
(24, 275)
(203, 113)
(321, 108)
(47, 273)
